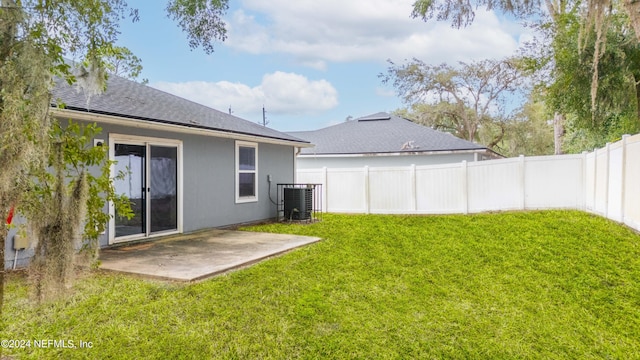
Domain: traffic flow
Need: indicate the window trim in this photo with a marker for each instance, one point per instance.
(246, 199)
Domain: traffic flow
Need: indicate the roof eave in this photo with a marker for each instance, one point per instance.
(176, 128)
(402, 153)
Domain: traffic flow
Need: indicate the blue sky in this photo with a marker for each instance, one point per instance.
(310, 63)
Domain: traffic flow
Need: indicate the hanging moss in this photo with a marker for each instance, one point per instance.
(57, 226)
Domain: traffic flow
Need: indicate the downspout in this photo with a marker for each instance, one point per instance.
(296, 152)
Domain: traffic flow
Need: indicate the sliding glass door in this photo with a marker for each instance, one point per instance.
(131, 161)
(150, 182)
(163, 192)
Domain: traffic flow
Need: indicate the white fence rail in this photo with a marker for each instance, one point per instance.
(606, 182)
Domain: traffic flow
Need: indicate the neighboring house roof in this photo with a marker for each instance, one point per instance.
(128, 99)
(381, 133)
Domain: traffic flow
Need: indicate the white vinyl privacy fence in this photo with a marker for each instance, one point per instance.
(606, 182)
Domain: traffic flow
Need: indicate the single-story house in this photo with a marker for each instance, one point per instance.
(190, 167)
(382, 139)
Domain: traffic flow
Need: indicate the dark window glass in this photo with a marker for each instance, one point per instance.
(246, 184)
(164, 188)
(131, 161)
(247, 158)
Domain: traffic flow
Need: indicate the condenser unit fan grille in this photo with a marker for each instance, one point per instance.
(298, 203)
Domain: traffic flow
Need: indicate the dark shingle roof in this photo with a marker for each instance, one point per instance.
(129, 99)
(381, 133)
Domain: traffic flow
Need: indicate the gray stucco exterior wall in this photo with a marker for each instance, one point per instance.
(209, 183)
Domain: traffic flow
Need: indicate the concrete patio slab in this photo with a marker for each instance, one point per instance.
(198, 255)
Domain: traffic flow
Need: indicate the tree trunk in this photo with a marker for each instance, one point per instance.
(4, 231)
(496, 139)
(637, 100)
(8, 32)
(558, 132)
(633, 9)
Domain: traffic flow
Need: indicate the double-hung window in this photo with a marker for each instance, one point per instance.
(246, 171)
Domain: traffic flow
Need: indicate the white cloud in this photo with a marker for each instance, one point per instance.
(287, 92)
(279, 92)
(317, 32)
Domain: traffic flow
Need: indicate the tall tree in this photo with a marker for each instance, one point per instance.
(459, 99)
(35, 35)
(598, 19)
(600, 110)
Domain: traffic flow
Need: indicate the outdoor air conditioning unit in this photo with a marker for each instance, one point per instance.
(298, 203)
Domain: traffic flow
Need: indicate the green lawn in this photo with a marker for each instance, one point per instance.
(555, 284)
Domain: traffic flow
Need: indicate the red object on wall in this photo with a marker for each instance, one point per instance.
(10, 217)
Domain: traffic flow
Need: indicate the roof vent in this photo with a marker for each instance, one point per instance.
(409, 145)
(376, 117)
